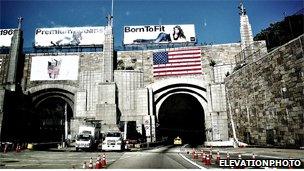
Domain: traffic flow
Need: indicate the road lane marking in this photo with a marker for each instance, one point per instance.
(195, 164)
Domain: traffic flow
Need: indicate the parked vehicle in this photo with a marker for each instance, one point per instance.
(113, 142)
(88, 138)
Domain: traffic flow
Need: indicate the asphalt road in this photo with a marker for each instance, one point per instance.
(166, 157)
(51, 159)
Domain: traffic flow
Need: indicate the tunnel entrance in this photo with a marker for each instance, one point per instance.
(182, 115)
(48, 121)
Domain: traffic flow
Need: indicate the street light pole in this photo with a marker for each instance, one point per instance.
(65, 123)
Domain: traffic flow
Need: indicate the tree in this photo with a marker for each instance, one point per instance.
(282, 32)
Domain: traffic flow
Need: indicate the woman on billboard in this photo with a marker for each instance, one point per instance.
(178, 33)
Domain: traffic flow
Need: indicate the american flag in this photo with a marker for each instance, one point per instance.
(177, 62)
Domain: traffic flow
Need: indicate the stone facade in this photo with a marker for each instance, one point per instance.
(265, 98)
(141, 62)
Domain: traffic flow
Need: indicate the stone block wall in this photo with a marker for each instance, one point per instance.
(89, 76)
(222, 54)
(215, 115)
(3, 67)
(128, 82)
(138, 61)
(266, 98)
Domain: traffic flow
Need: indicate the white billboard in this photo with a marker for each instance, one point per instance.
(6, 37)
(159, 34)
(54, 68)
(64, 36)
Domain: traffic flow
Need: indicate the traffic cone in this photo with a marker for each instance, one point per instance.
(193, 153)
(5, 148)
(253, 156)
(228, 156)
(289, 166)
(104, 161)
(97, 165)
(17, 149)
(240, 158)
(207, 160)
(84, 165)
(196, 155)
(210, 153)
(204, 158)
(218, 157)
(91, 163)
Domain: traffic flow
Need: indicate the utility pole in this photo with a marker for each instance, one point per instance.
(65, 124)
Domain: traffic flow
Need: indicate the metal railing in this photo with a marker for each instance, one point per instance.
(250, 53)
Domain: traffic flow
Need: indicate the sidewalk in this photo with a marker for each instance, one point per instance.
(270, 153)
(263, 152)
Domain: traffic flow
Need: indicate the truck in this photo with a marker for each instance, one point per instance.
(113, 141)
(88, 138)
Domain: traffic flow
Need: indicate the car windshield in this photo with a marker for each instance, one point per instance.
(83, 137)
(113, 134)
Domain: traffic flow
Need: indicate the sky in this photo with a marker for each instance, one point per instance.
(215, 21)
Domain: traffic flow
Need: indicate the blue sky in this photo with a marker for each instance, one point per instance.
(215, 20)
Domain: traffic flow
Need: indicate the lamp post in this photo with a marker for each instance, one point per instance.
(65, 125)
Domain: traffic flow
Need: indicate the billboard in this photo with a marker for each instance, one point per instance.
(6, 37)
(54, 68)
(69, 36)
(159, 34)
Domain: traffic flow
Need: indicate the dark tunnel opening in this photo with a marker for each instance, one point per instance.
(182, 115)
(48, 122)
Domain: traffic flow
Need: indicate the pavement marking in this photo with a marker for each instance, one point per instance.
(195, 164)
(125, 157)
(45, 164)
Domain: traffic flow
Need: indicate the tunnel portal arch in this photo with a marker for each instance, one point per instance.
(47, 119)
(189, 93)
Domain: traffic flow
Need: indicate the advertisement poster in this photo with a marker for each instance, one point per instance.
(54, 68)
(6, 37)
(69, 36)
(159, 34)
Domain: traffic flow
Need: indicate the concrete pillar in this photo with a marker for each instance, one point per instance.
(147, 126)
(2, 93)
(108, 55)
(14, 55)
(125, 130)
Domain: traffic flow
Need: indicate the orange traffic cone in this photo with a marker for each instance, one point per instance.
(208, 162)
(218, 157)
(5, 148)
(240, 158)
(193, 153)
(204, 158)
(91, 163)
(84, 165)
(17, 148)
(228, 156)
(196, 155)
(289, 166)
(210, 154)
(253, 156)
(97, 165)
(104, 161)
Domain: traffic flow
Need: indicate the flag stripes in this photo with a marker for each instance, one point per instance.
(177, 62)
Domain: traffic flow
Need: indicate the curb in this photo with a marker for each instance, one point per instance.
(195, 164)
